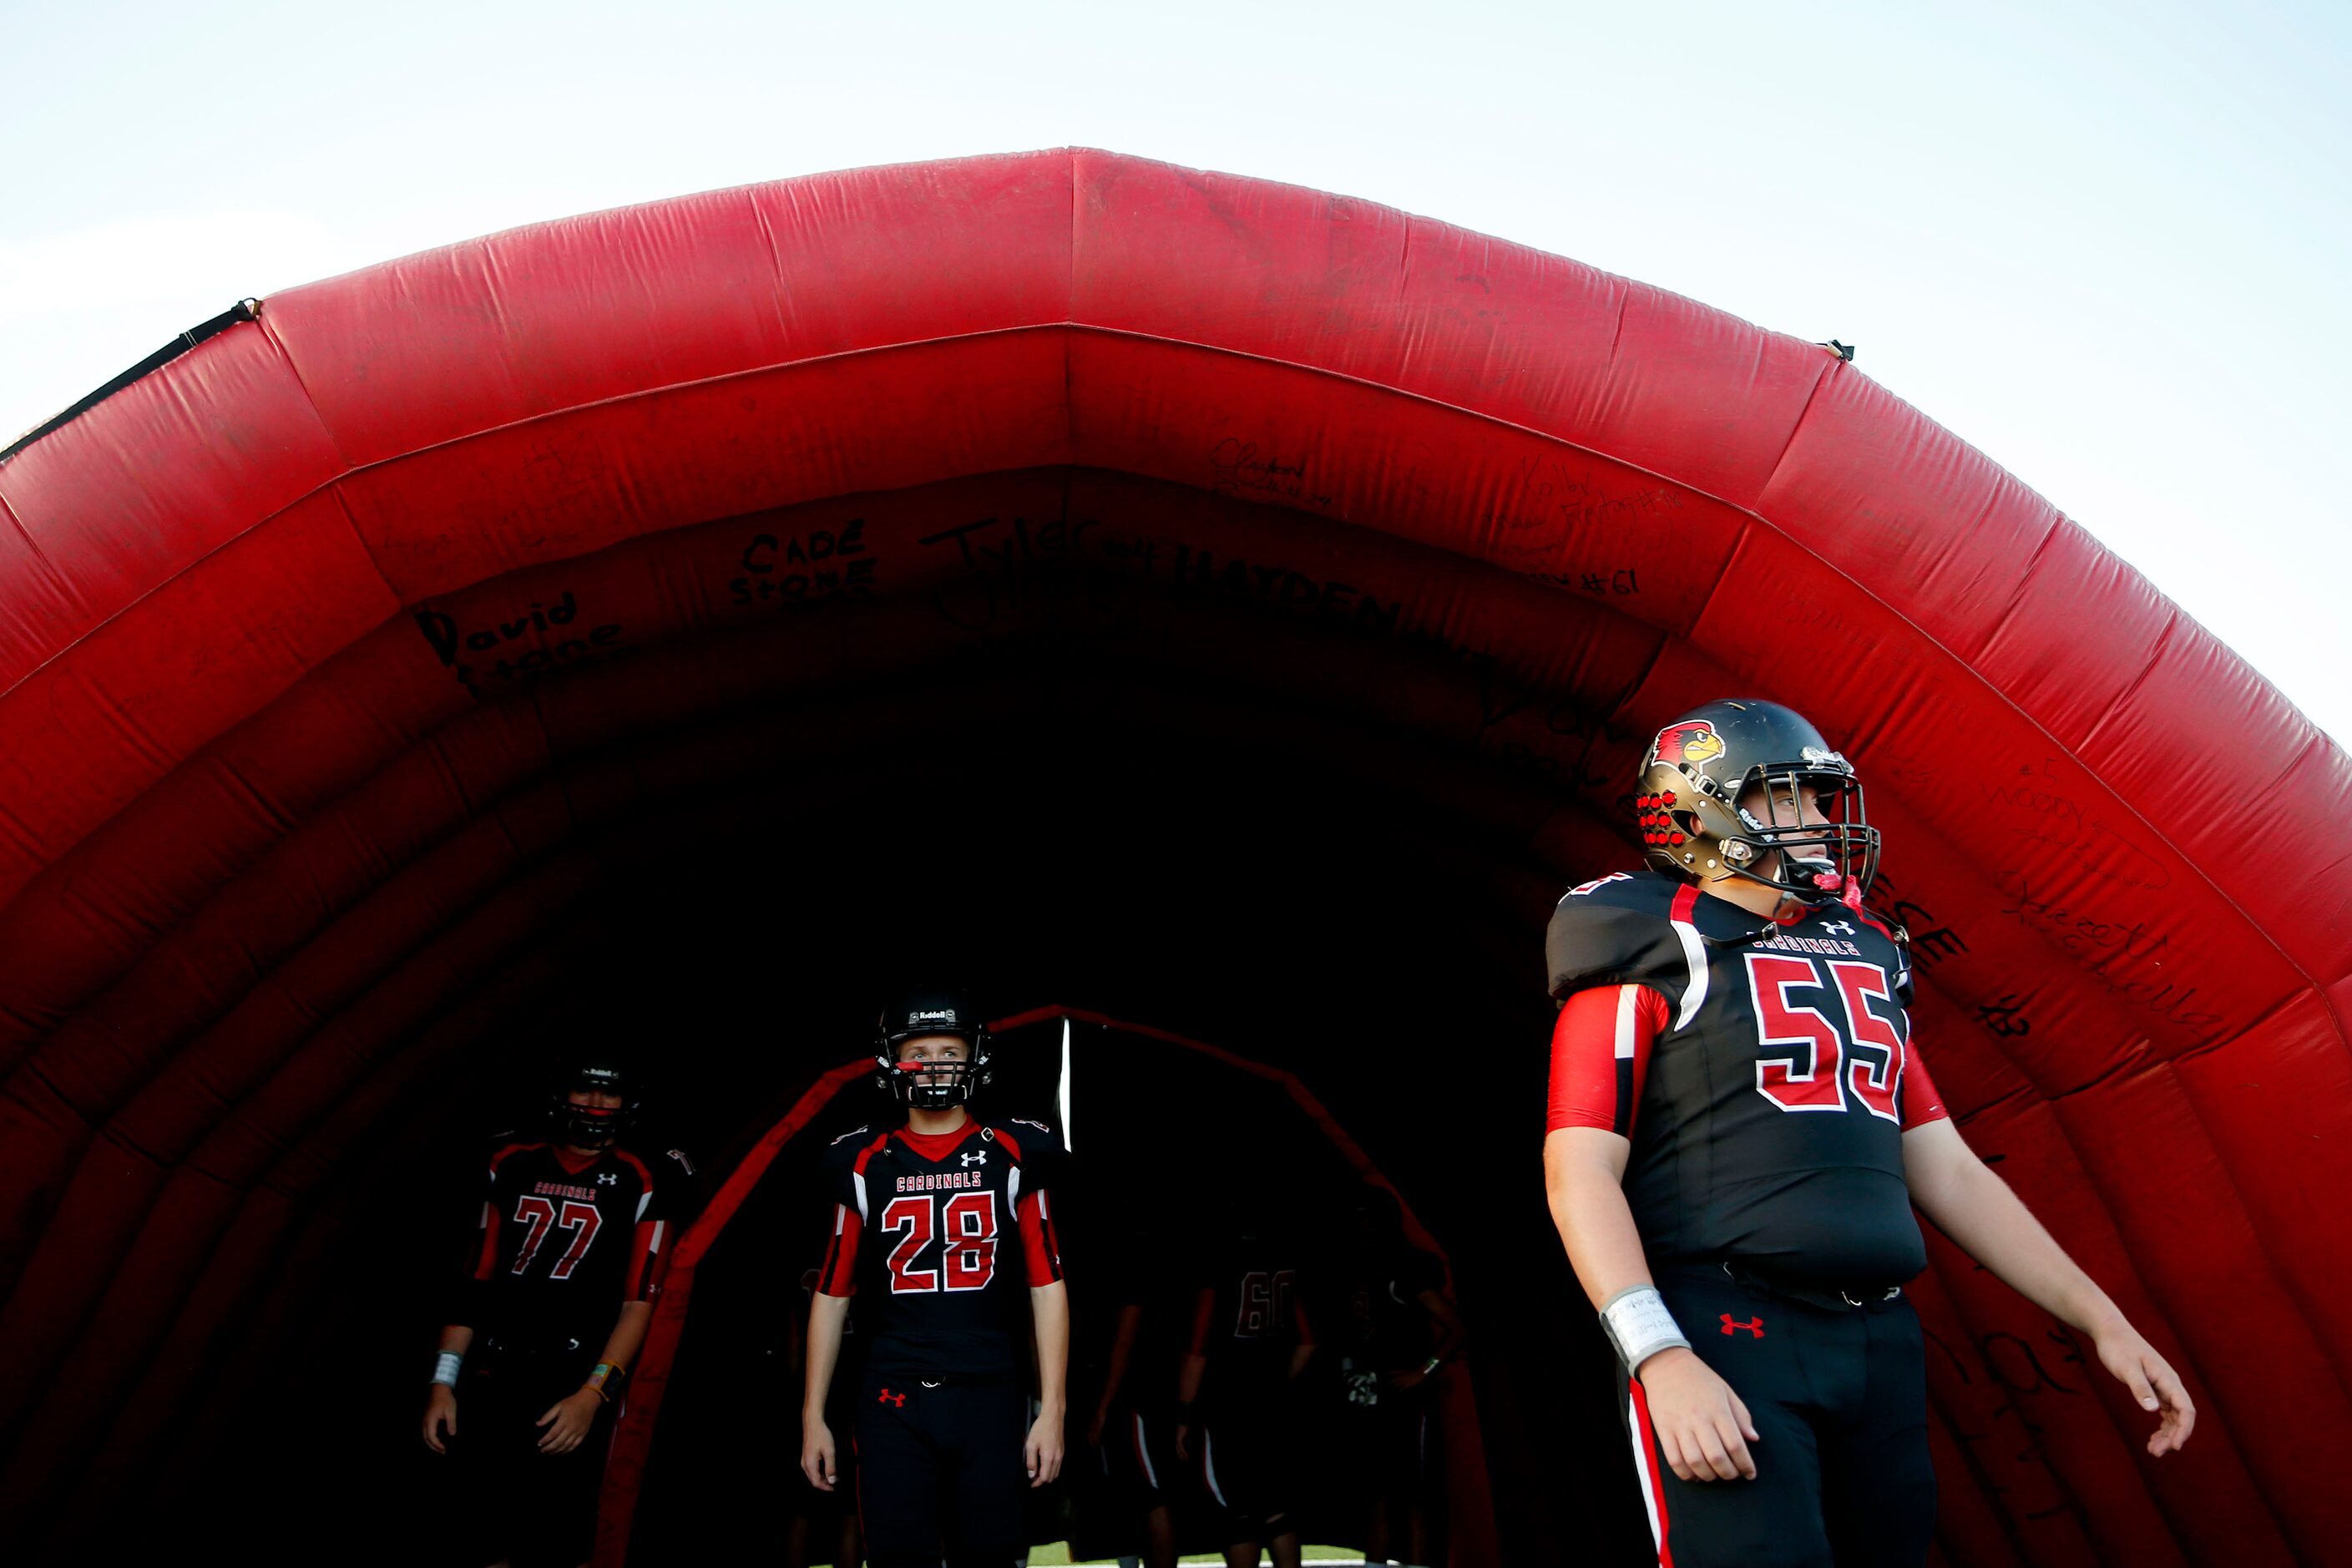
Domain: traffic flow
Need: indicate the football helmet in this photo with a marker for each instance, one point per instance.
(1694, 823)
(934, 1085)
(593, 1126)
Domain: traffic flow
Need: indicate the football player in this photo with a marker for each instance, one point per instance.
(823, 1522)
(574, 1240)
(946, 1226)
(1234, 1415)
(1132, 1423)
(1398, 1329)
(1740, 1126)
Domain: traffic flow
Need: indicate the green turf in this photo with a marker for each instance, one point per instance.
(1056, 1555)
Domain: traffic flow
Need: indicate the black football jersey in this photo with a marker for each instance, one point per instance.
(1763, 1073)
(1248, 1316)
(565, 1241)
(1143, 1276)
(1387, 1328)
(941, 1238)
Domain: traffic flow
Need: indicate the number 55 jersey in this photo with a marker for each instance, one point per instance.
(1763, 1073)
(944, 1235)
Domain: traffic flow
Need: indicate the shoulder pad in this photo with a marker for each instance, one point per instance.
(842, 1153)
(1618, 929)
(1035, 1138)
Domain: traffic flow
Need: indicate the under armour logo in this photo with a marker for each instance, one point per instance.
(1840, 927)
(1753, 1325)
(976, 1157)
(610, 1178)
(896, 1401)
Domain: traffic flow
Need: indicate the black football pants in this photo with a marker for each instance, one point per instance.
(1840, 1398)
(939, 1472)
(534, 1509)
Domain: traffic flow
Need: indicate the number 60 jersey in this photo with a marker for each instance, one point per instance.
(1764, 1074)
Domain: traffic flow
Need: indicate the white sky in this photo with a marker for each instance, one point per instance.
(2107, 244)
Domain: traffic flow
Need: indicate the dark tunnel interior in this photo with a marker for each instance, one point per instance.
(1069, 812)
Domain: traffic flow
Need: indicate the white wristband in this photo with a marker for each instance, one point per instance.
(1639, 1325)
(445, 1370)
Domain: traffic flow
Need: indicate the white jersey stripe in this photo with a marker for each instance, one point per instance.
(1629, 998)
(1641, 1471)
(1209, 1472)
(1143, 1452)
(1694, 989)
(859, 1179)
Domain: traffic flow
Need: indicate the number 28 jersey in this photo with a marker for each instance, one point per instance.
(1765, 1076)
(944, 1235)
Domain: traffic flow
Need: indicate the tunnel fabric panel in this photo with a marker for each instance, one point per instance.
(255, 826)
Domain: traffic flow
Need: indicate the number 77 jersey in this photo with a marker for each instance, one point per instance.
(1764, 1073)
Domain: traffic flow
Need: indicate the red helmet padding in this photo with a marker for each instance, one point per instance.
(263, 860)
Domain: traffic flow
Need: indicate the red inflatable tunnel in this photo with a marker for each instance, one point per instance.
(1238, 606)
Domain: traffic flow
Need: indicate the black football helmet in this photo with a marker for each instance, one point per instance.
(1693, 823)
(593, 1126)
(930, 1086)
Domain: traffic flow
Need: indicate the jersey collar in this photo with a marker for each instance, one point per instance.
(937, 1146)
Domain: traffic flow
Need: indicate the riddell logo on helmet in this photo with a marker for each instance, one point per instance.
(1696, 743)
(939, 1015)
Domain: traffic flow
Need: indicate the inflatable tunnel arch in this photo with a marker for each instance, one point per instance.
(679, 615)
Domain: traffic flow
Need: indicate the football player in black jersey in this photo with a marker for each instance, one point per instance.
(1740, 1126)
(576, 1236)
(946, 1226)
(1133, 1424)
(1397, 1331)
(1235, 1413)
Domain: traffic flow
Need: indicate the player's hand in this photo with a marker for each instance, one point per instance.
(816, 1453)
(2152, 1382)
(1184, 1445)
(1702, 1427)
(440, 1415)
(1043, 1452)
(1095, 1427)
(1411, 1378)
(567, 1422)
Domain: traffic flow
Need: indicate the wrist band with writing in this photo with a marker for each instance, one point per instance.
(445, 1367)
(1639, 1325)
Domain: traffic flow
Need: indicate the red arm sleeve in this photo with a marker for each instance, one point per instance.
(1039, 1244)
(490, 1254)
(1601, 1055)
(649, 1260)
(1921, 1103)
(838, 1275)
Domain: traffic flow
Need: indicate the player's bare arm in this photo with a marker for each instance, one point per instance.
(1049, 1305)
(1303, 1331)
(1703, 1428)
(566, 1422)
(1969, 1203)
(827, 1314)
(1446, 1339)
(441, 1398)
(1190, 1373)
(1122, 1352)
